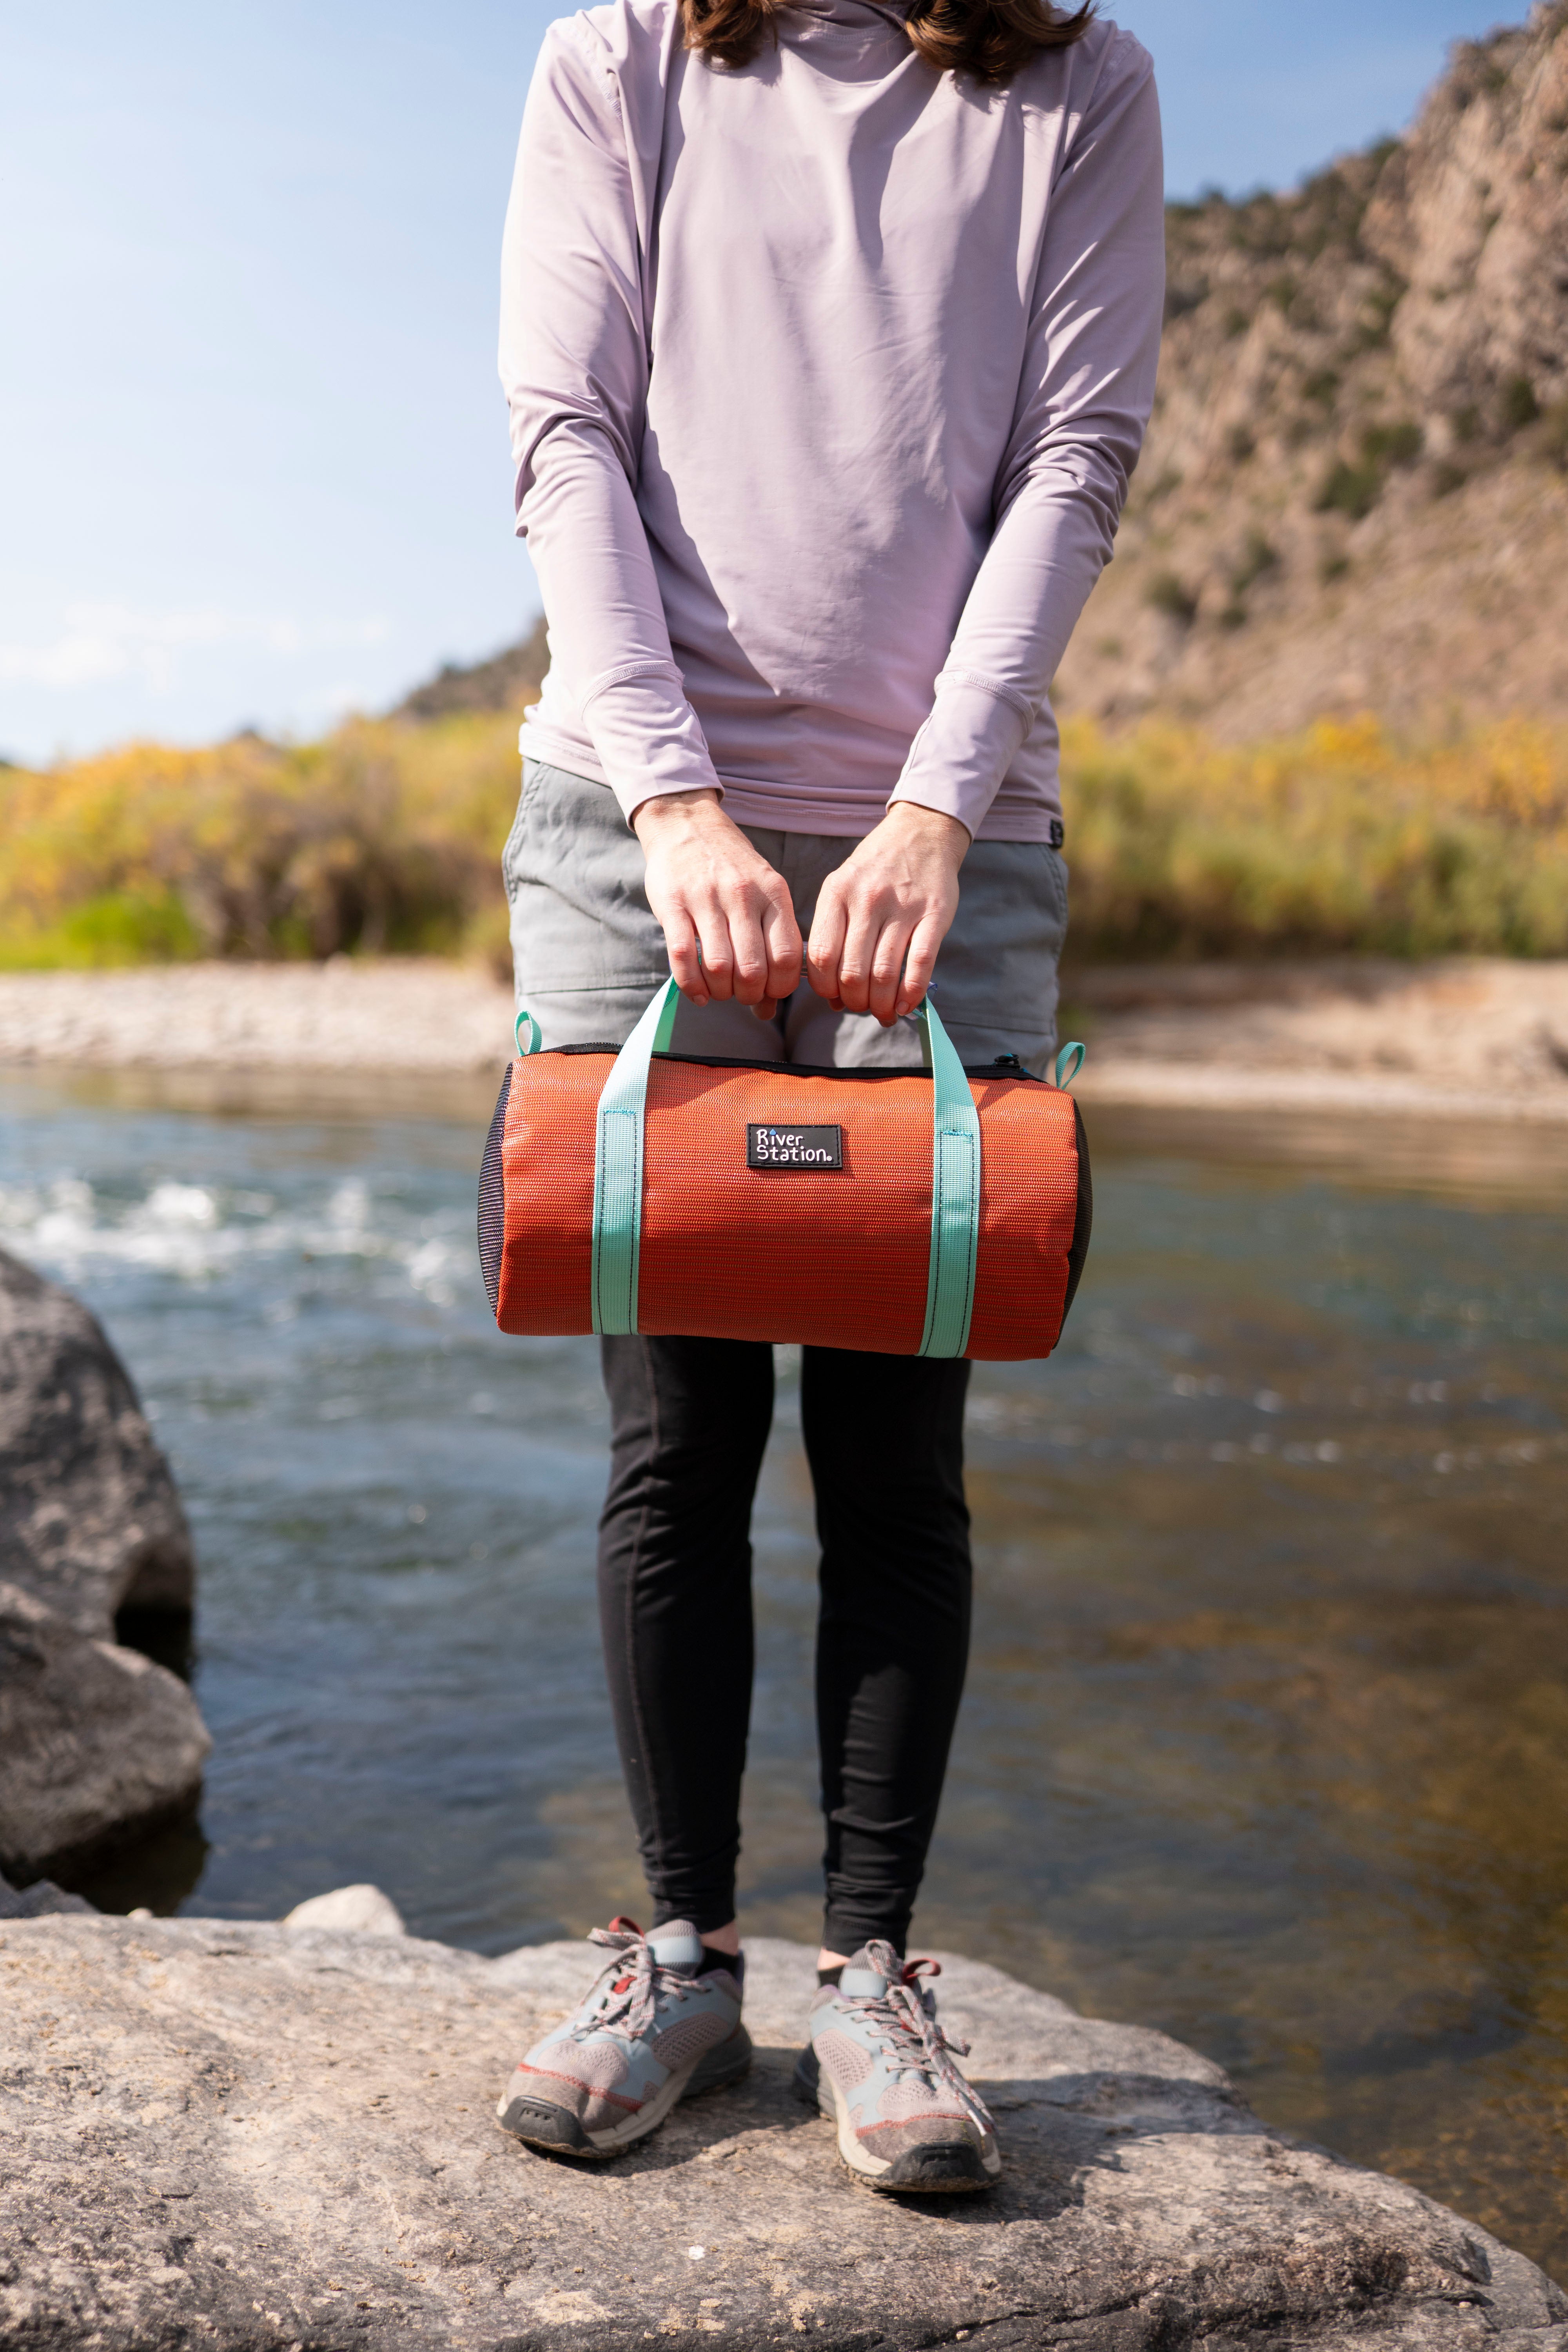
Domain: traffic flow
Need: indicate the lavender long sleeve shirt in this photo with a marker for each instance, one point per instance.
(826, 377)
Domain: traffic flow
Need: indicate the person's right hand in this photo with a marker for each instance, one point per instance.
(728, 921)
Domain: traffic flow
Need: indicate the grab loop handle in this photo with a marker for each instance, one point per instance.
(1069, 1062)
(955, 1193)
(617, 1168)
(618, 1180)
(535, 1036)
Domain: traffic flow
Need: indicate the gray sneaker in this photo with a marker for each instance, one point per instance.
(660, 2024)
(881, 2068)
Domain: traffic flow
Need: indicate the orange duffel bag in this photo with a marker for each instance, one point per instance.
(924, 1212)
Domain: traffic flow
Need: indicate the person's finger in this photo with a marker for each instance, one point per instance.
(680, 939)
(748, 946)
(826, 943)
(887, 963)
(921, 962)
(781, 935)
(717, 956)
(861, 929)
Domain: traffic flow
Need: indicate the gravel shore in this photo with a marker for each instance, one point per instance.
(416, 1013)
(1458, 1035)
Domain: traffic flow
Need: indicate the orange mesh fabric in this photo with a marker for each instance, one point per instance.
(829, 1257)
(834, 1257)
(547, 1160)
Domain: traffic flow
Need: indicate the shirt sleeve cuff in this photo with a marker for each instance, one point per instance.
(957, 761)
(648, 737)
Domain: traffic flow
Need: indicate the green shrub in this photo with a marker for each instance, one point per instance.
(381, 838)
(117, 926)
(1392, 445)
(1258, 558)
(1338, 839)
(1554, 435)
(1519, 405)
(1347, 490)
(1172, 596)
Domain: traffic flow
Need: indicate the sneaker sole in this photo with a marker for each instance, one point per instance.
(556, 2131)
(944, 2169)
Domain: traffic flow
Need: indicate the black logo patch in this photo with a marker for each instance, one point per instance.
(795, 1147)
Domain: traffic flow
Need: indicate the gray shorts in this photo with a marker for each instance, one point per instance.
(588, 953)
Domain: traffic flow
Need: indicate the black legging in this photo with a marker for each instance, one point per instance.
(884, 1436)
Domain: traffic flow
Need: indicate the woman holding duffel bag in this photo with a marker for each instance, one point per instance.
(830, 337)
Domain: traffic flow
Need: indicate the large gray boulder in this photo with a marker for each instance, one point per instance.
(96, 1743)
(242, 2135)
(89, 1519)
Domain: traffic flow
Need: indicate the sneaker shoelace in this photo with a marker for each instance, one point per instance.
(625, 1998)
(914, 2039)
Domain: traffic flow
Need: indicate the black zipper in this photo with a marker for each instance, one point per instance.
(1005, 1066)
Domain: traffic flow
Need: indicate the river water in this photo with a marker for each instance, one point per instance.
(1267, 1733)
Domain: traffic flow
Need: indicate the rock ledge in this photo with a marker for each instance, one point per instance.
(284, 2138)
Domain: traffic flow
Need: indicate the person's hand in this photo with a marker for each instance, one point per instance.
(882, 915)
(728, 921)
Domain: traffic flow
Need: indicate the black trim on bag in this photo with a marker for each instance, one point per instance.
(1005, 1066)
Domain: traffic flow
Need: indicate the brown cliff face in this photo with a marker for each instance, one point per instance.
(1354, 493)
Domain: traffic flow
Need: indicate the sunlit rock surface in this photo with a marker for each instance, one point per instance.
(274, 2137)
(361, 1910)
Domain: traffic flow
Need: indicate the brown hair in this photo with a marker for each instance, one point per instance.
(988, 38)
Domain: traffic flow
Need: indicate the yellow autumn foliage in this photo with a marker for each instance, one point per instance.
(1343, 837)
(383, 837)
(386, 837)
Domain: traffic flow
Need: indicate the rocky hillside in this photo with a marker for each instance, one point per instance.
(504, 682)
(1355, 489)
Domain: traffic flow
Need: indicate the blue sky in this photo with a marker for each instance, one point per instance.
(252, 455)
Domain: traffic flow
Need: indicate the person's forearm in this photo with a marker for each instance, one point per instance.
(607, 629)
(1087, 391)
(573, 361)
(1031, 589)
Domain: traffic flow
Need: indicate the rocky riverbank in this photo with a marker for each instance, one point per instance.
(1460, 1036)
(281, 2138)
(1481, 1035)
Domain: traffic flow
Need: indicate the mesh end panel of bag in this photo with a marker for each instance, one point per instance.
(492, 1196)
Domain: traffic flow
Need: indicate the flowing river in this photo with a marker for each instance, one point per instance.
(1266, 1734)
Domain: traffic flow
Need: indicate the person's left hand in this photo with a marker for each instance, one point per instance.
(882, 915)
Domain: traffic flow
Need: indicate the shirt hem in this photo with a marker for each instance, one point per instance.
(774, 808)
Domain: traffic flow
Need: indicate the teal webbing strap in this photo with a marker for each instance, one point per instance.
(1069, 1062)
(954, 1194)
(617, 1168)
